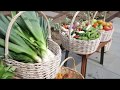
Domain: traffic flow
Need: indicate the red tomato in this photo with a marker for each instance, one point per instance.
(76, 36)
(107, 28)
(95, 25)
(87, 24)
(111, 27)
(80, 29)
(65, 26)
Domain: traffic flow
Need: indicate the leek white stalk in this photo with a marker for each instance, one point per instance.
(48, 55)
(38, 59)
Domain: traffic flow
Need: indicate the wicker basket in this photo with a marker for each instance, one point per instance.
(106, 35)
(43, 70)
(68, 71)
(78, 46)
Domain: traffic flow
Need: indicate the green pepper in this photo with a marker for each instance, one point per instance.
(100, 26)
(92, 35)
(98, 35)
(80, 38)
(85, 38)
(88, 34)
(93, 31)
(92, 38)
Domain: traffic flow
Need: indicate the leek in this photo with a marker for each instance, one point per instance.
(19, 49)
(32, 22)
(19, 57)
(28, 37)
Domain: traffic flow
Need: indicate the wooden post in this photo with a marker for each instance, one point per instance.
(84, 65)
(66, 55)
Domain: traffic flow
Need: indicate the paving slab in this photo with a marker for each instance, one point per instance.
(97, 71)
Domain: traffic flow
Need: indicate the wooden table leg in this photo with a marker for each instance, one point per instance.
(102, 55)
(84, 65)
(66, 55)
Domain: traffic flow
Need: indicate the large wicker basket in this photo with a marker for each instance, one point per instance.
(43, 70)
(72, 73)
(78, 46)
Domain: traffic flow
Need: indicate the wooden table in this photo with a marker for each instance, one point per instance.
(85, 57)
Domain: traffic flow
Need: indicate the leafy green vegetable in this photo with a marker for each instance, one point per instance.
(6, 72)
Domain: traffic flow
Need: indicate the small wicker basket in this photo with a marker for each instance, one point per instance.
(68, 73)
(106, 35)
(43, 70)
(78, 46)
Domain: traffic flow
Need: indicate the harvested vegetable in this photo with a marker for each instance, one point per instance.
(84, 31)
(28, 37)
(6, 72)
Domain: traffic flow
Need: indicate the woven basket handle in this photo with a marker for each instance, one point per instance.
(69, 58)
(105, 15)
(73, 20)
(10, 27)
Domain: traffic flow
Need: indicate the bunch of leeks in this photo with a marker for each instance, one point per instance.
(28, 38)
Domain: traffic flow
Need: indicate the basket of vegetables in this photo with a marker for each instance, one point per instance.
(28, 45)
(106, 28)
(80, 38)
(68, 73)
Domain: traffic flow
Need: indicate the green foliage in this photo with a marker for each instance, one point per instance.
(6, 72)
